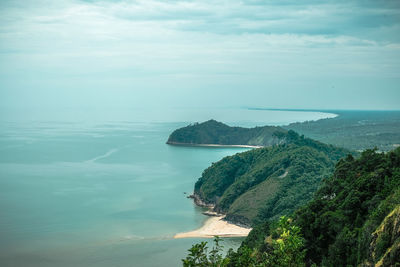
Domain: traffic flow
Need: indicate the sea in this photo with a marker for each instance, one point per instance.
(102, 187)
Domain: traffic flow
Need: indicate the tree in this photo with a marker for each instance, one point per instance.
(287, 249)
(199, 256)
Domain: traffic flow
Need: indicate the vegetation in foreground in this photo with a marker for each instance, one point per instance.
(285, 248)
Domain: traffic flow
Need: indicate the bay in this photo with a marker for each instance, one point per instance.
(91, 190)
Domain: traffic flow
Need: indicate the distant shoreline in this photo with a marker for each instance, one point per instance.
(216, 226)
(211, 145)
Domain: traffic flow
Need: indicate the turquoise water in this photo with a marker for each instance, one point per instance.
(109, 193)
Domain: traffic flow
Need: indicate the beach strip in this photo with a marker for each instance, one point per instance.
(212, 145)
(216, 226)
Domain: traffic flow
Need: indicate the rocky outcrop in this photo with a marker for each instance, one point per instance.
(385, 244)
(200, 202)
(237, 220)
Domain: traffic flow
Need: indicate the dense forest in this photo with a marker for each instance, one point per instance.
(352, 220)
(218, 133)
(266, 183)
(345, 214)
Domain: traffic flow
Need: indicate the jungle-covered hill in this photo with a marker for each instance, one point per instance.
(266, 183)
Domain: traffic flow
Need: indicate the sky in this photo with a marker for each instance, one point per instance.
(203, 53)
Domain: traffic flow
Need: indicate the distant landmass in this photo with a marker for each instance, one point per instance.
(213, 132)
(266, 183)
(355, 130)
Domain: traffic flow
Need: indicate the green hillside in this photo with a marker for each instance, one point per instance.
(214, 132)
(352, 220)
(347, 214)
(266, 183)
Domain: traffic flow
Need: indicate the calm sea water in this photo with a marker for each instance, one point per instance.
(80, 191)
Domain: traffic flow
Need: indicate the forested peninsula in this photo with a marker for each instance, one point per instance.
(354, 130)
(213, 132)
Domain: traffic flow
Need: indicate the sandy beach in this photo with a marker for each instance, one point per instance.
(215, 145)
(216, 226)
(211, 145)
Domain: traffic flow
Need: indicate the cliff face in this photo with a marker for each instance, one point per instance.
(200, 202)
(385, 245)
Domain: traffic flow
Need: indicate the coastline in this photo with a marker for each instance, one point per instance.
(216, 226)
(211, 145)
(334, 112)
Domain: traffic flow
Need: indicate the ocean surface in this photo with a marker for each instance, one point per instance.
(105, 190)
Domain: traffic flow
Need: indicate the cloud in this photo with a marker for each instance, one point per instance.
(187, 47)
(235, 17)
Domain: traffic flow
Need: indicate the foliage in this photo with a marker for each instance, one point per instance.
(285, 250)
(338, 223)
(257, 235)
(199, 255)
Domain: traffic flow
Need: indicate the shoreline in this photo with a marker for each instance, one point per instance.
(216, 226)
(212, 145)
(335, 112)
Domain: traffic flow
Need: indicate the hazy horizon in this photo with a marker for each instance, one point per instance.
(73, 54)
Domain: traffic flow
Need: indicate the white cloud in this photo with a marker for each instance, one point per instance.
(183, 45)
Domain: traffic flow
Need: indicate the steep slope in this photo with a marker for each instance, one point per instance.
(265, 183)
(214, 132)
(353, 218)
(384, 248)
